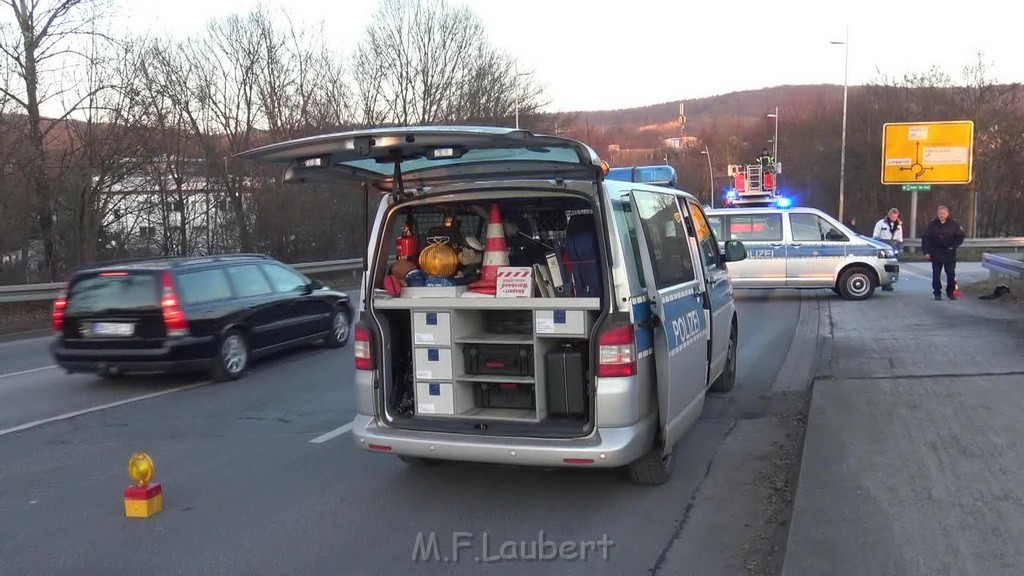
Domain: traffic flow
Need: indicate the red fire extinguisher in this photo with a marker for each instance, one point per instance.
(405, 245)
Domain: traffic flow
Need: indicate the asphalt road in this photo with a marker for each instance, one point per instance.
(256, 482)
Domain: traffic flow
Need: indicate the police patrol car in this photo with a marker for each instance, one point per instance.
(804, 248)
(629, 321)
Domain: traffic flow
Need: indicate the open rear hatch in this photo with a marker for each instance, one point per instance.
(494, 366)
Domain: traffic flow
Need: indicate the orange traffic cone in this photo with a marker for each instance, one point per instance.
(495, 255)
(956, 290)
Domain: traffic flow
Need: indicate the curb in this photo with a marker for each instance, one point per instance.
(800, 366)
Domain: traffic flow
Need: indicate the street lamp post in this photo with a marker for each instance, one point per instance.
(842, 152)
(775, 139)
(711, 174)
(518, 93)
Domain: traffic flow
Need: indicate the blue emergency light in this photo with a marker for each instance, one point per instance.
(656, 175)
(731, 194)
(784, 202)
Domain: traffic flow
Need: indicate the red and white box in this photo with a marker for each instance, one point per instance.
(515, 282)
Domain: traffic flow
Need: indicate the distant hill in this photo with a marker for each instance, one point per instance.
(646, 126)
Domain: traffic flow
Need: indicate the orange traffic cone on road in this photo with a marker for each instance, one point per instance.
(956, 290)
(495, 255)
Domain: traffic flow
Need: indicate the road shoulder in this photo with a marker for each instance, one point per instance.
(914, 451)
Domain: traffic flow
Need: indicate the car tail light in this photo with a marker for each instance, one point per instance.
(362, 348)
(57, 318)
(174, 317)
(616, 351)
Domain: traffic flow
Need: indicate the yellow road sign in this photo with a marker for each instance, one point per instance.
(928, 152)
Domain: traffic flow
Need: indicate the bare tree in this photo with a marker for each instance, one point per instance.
(429, 62)
(40, 46)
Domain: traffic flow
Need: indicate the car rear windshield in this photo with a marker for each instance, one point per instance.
(116, 291)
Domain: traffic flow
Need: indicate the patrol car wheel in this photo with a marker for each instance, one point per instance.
(652, 468)
(727, 380)
(856, 284)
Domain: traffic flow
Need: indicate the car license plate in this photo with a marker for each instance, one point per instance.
(113, 328)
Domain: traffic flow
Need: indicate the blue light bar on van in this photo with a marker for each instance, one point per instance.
(731, 194)
(784, 202)
(656, 175)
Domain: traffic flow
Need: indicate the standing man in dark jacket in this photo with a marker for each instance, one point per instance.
(939, 243)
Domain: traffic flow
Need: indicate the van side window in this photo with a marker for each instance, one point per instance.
(705, 237)
(248, 280)
(814, 228)
(627, 232)
(667, 243)
(756, 227)
(204, 286)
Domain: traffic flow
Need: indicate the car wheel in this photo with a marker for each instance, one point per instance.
(340, 329)
(727, 380)
(417, 461)
(651, 469)
(232, 357)
(856, 284)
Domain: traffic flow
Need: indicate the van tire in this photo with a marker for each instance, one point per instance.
(727, 379)
(231, 361)
(341, 328)
(652, 469)
(857, 283)
(417, 461)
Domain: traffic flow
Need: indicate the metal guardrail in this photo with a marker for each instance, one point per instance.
(35, 292)
(1013, 244)
(1003, 265)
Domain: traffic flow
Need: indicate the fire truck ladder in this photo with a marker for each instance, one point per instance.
(754, 178)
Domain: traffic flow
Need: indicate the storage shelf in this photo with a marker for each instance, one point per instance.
(517, 415)
(524, 339)
(496, 379)
(487, 303)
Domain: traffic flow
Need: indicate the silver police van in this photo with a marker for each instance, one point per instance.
(521, 308)
(804, 248)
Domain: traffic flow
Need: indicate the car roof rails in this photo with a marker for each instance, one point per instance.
(170, 261)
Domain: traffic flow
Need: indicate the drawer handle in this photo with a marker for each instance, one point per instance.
(494, 364)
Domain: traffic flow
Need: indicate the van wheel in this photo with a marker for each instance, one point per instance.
(727, 380)
(232, 357)
(340, 329)
(417, 461)
(651, 469)
(856, 284)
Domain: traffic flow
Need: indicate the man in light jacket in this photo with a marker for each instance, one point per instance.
(890, 231)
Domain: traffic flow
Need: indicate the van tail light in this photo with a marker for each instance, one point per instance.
(362, 348)
(174, 317)
(57, 318)
(616, 351)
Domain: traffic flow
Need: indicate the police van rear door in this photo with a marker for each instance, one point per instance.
(677, 296)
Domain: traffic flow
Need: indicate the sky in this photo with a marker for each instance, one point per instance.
(605, 54)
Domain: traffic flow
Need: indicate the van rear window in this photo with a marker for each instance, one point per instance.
(124, 291)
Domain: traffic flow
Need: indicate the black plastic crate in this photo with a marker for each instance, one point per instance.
(511, 396)
(498, 359)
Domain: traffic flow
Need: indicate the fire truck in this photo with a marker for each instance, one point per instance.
(755, 185)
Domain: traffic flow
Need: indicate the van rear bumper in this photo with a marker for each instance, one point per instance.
(175, 356)
(607, 447)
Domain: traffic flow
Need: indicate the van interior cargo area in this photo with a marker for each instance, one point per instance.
(487, 310)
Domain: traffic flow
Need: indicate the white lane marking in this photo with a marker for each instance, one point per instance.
(29, 371)
(332, 434)
(92, 409)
